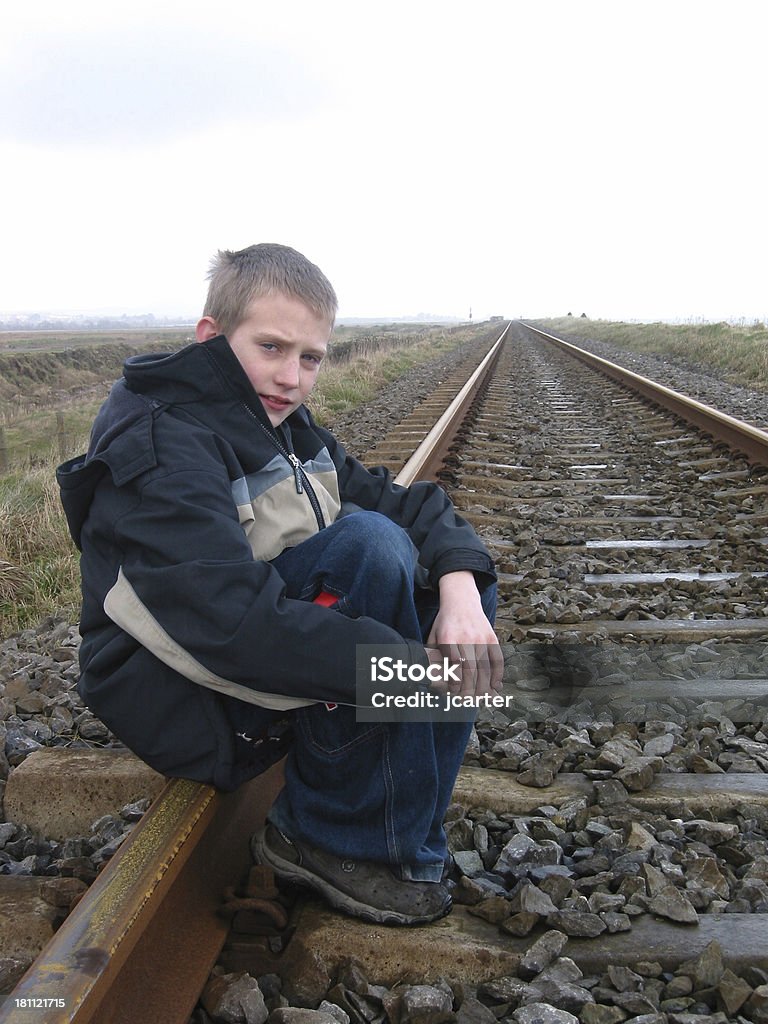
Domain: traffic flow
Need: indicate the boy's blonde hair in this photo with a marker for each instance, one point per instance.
(237, 278)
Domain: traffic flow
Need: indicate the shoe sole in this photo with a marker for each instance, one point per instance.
(339, 900)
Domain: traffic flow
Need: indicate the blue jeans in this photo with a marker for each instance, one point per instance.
(370, 791)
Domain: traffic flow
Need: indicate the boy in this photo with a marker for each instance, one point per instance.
(234, 556)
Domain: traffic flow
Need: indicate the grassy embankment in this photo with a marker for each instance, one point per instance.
(38, 563)
(738, 354)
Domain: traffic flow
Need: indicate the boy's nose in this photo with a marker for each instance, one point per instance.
(288, 373)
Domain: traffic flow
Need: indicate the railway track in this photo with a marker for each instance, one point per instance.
(626, 538)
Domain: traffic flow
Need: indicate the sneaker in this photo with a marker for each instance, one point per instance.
(361, 888)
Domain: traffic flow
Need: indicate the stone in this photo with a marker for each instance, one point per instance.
(340, 997)
(638, 838)
(495, 909)
(705, 874)
(756, 1007)
(480, 838)
(504, 990)
(649, 968)
(610, 793)
(658, 746)
(600, 901)
(755, 890)
(271, 986)
(237, 999)
(557, 887)
(564, 994)
(469, 891)
(577, 924)
(562, 969)
(705, 970)
(542, 953)
(636, 776)
(62, 892)
(335, 1011)
(514, 852)
(425, 1004)
(469, 862)
(624, 980)
(472, 1011)
(527, 897)
(712, 833)
(459, 835)
(543, 1013)
(655, 879)
(681, 985)
(521, 924)
(635, 1003)
(32, 703)
(290, 1015)
(11, 970)
(8, 830)
(704, 765)
(616, 922)
(599, 1013)
(27, 920)
(757, 869)
(510, 748)
(733, 992)
(539, 776)
(671, 903)
(755, 976)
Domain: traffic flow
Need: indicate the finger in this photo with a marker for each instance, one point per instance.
(496, 656)
(458, 659)
(476, 669)
(486, 672)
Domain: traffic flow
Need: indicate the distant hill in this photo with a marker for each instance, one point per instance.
(89, 322)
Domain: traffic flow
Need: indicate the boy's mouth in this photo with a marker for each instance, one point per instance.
(275, 402)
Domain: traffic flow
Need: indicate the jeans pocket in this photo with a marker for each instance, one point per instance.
(335, 733)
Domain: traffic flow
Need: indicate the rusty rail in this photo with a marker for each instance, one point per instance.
(739, 436)
(115, 955)
(426, 460)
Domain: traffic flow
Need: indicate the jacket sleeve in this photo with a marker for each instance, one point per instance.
(445, 542)
(180, 578)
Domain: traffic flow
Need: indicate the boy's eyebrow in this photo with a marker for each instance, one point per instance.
(274, 336)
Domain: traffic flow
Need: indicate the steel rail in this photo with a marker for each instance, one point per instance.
(115, 955)
(135, 947)
(427, 459)
(741, 437)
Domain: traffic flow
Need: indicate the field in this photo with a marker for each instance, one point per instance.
(49, 398)
(736, 353)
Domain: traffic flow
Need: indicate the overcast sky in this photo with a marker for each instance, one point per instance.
(519, 158)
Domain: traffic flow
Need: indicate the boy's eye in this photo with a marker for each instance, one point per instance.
(312, 359)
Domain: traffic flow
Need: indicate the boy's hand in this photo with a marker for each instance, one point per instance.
(465, 636)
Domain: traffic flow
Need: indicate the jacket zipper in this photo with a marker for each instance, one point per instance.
(299, 475)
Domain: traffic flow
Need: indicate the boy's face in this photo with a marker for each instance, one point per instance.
(280, 344)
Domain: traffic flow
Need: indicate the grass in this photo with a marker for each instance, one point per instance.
(343, 386)
(28, 435)
(736, 353)
(39, 570)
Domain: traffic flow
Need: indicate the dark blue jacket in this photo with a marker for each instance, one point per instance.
(173, 509)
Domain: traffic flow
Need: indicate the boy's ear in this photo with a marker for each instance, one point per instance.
(206, 329)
